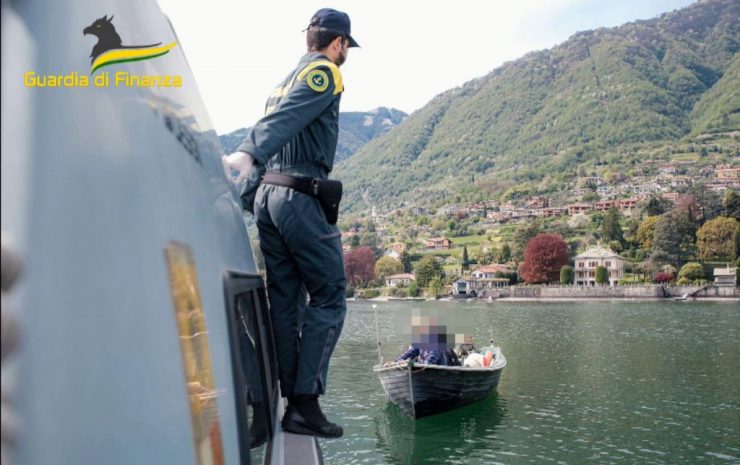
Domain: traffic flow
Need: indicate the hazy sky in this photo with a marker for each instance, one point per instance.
(411, 50)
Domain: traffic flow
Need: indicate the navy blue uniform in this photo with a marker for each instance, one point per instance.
(303, 252)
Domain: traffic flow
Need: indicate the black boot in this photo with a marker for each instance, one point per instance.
(304, 416)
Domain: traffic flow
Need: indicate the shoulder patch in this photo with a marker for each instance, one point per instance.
(334, 69)
(317, 80)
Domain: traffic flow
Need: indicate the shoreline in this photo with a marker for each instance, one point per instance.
(550, 299)
(603, 299)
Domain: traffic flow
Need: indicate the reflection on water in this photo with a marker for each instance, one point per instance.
(591, 382)
(444, 438)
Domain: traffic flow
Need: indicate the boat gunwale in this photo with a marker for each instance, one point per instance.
(500, 364)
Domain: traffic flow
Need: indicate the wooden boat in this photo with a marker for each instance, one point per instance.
(421, 390)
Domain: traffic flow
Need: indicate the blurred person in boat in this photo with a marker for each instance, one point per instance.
(430, 343)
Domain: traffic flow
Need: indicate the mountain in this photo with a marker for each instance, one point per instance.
(529, 125)
(356, 129)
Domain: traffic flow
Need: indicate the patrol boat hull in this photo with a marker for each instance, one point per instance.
(422, 390)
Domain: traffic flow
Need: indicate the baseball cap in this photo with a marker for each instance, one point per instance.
(333, 20)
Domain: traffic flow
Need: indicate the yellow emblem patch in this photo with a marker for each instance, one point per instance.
(317, 80)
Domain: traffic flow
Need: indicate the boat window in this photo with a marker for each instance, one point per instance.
(253, 364)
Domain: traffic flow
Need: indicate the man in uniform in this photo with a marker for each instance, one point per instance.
(297, 139)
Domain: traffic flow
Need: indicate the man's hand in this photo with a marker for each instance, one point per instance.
(238, 161)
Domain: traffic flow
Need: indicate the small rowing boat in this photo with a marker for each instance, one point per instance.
(421, 390)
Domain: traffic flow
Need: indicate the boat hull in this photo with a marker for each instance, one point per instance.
(424, 390)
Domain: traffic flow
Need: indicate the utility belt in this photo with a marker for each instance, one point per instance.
(328, 192)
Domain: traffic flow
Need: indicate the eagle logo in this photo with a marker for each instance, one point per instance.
(317, 80)
(110, 50)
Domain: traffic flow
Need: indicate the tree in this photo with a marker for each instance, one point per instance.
(656, 206)
(521, 237)
(602, 275)
(707, 203)
(610, 227)
(646, 232)
(370, 240)
(717, 238)
(616, 246)
(359, 265)
(578, 221)
(512, 276)
(732, 205)
(427, 269)
(465, 257)
(544, 256)
(505, 253)
(675, 234)
(406, 262)
(590, 197)
(435, 286)
(566, 275)
(354, 241)
(414, 290)
(387, 266)
(692, 271)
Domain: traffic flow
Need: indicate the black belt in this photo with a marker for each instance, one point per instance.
(328, 192)
(306, 186)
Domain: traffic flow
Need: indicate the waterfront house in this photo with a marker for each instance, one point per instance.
(461, 288)
(396, 279)
(725, 276)
(489, 271)
(588, 261)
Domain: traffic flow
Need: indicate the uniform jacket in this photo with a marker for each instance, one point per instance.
(299, 131)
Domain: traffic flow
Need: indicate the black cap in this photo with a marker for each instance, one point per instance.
(333, 20)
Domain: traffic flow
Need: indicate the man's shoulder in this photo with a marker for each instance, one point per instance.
(320, 74)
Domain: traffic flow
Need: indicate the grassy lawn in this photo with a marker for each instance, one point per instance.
(468, 240)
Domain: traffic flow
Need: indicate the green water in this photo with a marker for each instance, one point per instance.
(602, 383)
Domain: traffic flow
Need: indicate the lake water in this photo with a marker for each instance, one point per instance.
(598, 382)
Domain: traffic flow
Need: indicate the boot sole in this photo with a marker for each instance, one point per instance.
(293, 427)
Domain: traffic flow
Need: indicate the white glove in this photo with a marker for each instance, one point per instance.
(238, 161)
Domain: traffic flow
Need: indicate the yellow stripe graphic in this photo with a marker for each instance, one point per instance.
(119, 55)
(336, 74)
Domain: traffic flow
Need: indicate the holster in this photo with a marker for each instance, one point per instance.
(328, 192)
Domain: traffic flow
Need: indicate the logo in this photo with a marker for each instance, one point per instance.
(317, 80)
(109, 50)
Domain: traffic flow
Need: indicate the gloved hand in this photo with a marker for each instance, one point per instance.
(238, 161)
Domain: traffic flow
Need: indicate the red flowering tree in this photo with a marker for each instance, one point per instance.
(544, 256)
(359, 265)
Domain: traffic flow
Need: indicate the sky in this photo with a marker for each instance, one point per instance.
(411, 50)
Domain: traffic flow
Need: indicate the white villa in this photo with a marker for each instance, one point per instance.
(588, 261)
(489, 271)
(725, 276)
(396, 279)
(393, 254)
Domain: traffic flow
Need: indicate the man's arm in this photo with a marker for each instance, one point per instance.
(305, 101)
